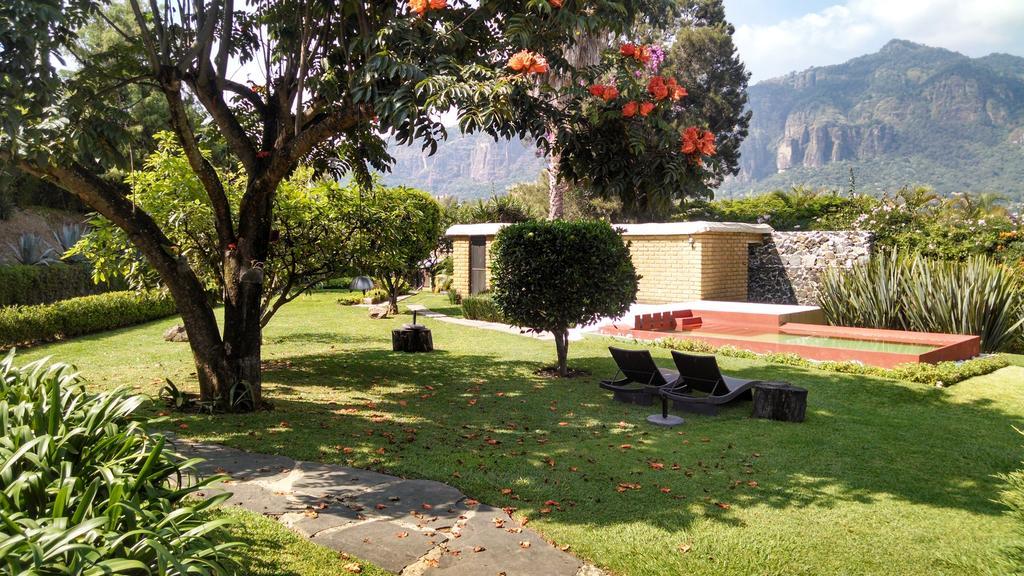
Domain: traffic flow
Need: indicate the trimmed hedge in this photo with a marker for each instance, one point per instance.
(29, 285)
(20, 325)
(941, 374)
(482, 307)
(356, 297)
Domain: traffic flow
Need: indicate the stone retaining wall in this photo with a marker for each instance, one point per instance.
(784, 269)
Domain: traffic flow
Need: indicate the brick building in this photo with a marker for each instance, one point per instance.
(678, 261)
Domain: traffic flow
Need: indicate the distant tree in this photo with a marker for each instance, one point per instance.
(552, 275)
(317, 234)
(704, 59)
(576, 204)
(406, 226)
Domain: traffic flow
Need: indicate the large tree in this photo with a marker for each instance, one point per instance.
(704, 59)
(327, 79)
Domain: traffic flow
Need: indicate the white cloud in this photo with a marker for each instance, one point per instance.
(843, 31)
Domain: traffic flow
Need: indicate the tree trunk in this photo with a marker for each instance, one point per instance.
(562, 348)
(556, 190)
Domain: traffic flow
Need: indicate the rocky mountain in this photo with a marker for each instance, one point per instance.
(465, 166)
(908, 114)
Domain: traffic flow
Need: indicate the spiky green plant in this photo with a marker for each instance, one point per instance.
(32, 250)
(911, 292)
(84, 489)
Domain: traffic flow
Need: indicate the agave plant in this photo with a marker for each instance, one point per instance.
(910, 292)
(67, 236)
(32, 250)
(85, 489)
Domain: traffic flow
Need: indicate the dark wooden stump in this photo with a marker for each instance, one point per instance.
(412, 338)
(779, 401)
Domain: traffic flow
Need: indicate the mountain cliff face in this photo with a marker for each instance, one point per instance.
(465, 166)
(909, 114)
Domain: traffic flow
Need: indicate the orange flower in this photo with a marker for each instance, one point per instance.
(438, 4)
(629, 110)
(521, 61)
(627, 50)
(525, 61)
(555, 3)
(646, 108)
(675, 91)
(597, 90)
(419, 6)
(643, 54)
(540, 64)
(690, 137)
(657, 88)
(707, 144)
(610, 93)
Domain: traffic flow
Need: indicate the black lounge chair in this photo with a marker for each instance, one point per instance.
(702, 387)
(641, 377)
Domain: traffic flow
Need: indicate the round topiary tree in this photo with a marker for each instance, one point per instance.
(548, 276)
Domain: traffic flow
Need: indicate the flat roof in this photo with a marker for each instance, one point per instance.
(648, 229)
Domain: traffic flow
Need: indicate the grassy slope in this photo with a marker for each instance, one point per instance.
(883, 477)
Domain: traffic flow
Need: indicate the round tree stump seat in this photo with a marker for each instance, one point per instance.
(412, 338)
(779, 401)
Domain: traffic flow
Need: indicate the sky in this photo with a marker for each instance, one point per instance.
(775, 37)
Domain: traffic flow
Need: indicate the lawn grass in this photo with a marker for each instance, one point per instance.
(884, 477)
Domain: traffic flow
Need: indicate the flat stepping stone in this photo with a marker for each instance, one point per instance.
(312, 521)
(384, 543)
(426, 499)
(238, 464)
(335, 481)
(255, 498)
(489, 547)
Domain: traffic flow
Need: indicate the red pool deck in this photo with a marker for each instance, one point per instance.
(740, 324)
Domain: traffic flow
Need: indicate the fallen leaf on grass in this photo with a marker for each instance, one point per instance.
(684, 548)
(752, 483)
(723, 505)
(623, 486)
(656, 465)
(545, 510)
(506, 491)
(626, 446)
(354, 567)
(666, 490)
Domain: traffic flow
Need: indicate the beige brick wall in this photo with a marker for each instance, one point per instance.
(669, 267)
(700, 267)
(724, 265)
(460, 263)
(712, 266)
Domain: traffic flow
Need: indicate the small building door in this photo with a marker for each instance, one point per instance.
(477, 264)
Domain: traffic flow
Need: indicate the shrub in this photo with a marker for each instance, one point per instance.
(27, 285)
(911, 292)
(356, 297)
(454, 297)
(86, 490)
(553, 275)
(76, 316)
(941, 374)
(482, 307)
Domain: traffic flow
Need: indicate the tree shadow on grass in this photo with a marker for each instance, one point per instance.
(485, 423)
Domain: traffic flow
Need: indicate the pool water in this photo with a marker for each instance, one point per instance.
(824, 342)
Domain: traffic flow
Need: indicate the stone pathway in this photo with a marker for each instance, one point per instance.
(408, 527)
